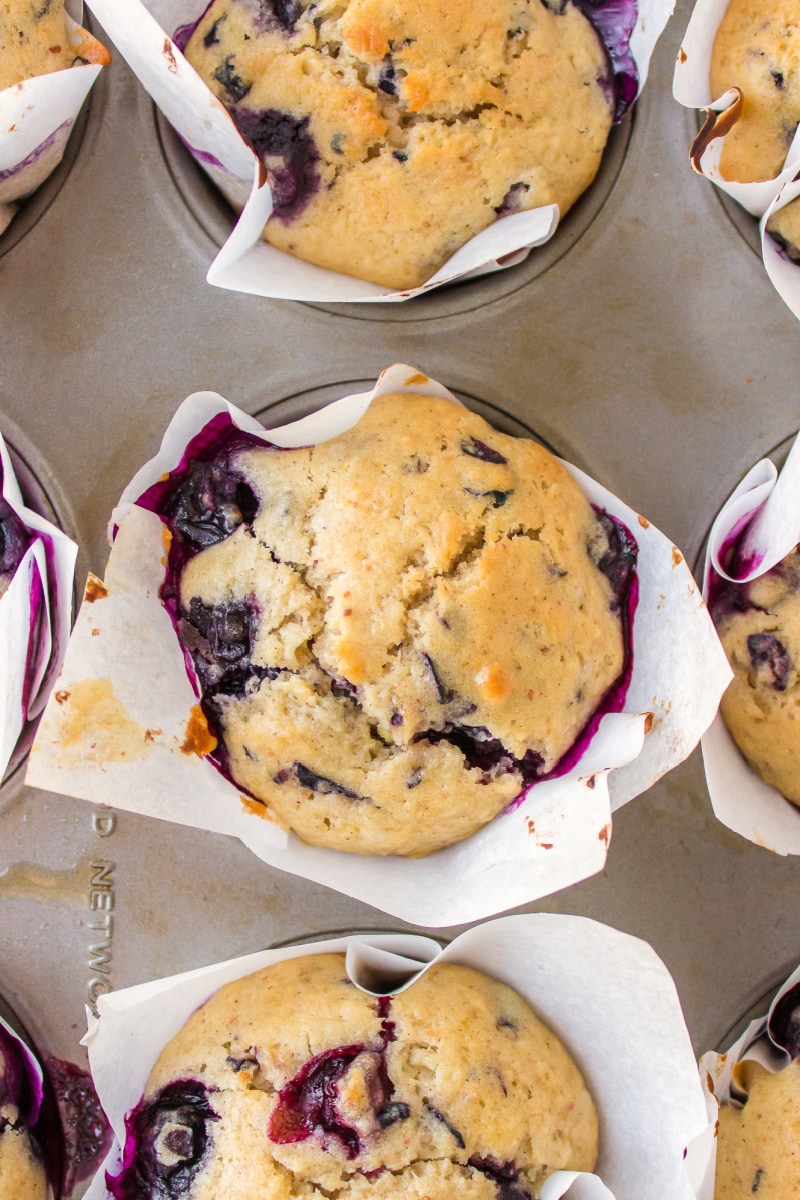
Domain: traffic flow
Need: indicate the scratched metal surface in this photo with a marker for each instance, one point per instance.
(647, 346)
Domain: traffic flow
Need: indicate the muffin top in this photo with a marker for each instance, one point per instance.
(759, 626)
(757, 49)
(758, 1147)
(393, 131)
(397, 630)
(34, 40)
(293, 1082)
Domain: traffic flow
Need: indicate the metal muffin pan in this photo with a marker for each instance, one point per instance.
(647, 346)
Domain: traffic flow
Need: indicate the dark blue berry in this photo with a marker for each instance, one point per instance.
(618, 560)
(14, 539)
(175, 1125)
(504, 1176)
(289, 153)
(387, 80)
(497, 497)
(784, 1024)
(767, 652)
(393, 1113)
(283, 14)
(234, 85)
(459, 1141)
(209, 503)
(512, 201)
(445, 694)
(475, 448)
(307, 778)
(210, 37)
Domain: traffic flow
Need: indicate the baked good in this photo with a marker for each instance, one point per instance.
(14, 541)
(397, 630)
(784, 225)
(22, 1170)
(758, 1147)
(35, 40)
(293, 1082)
(759, 626)
(757, 49)
(393, 131)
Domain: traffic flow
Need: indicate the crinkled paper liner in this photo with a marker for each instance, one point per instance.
(141, 31)
(771, 504)
(36, 117)
(754, 1045)
(148, 760)
(691, 88)
(35, 616)
(605, 993)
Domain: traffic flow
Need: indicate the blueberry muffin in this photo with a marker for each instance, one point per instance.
(393, 132)
(22, 1170)
(784, 225)
(293, 1082)
(757, 49)
(758, 1147)
(759, 626)
(398, 630)
(14, 541)
(35, 40)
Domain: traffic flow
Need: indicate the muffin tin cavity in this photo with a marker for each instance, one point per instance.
(215, 217)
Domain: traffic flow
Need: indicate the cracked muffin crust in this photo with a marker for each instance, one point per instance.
(758, 1147)
(759, 626)
(397, 630)
(758, 51)
(35, 40)
(393, 133)
(293, 1082)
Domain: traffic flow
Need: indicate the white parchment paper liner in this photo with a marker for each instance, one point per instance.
(691, 88)
(142, 30)
(36, 117)
(35, 616)
(771, 504)
(754, 1045)
(556, 836)
(606, 994)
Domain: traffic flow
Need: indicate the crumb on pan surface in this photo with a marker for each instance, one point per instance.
(393, 133)
(397, 630)
(293, 1082)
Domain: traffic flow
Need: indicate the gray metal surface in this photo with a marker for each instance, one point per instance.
(648, 346)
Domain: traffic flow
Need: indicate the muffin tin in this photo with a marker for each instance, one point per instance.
(649, 348)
